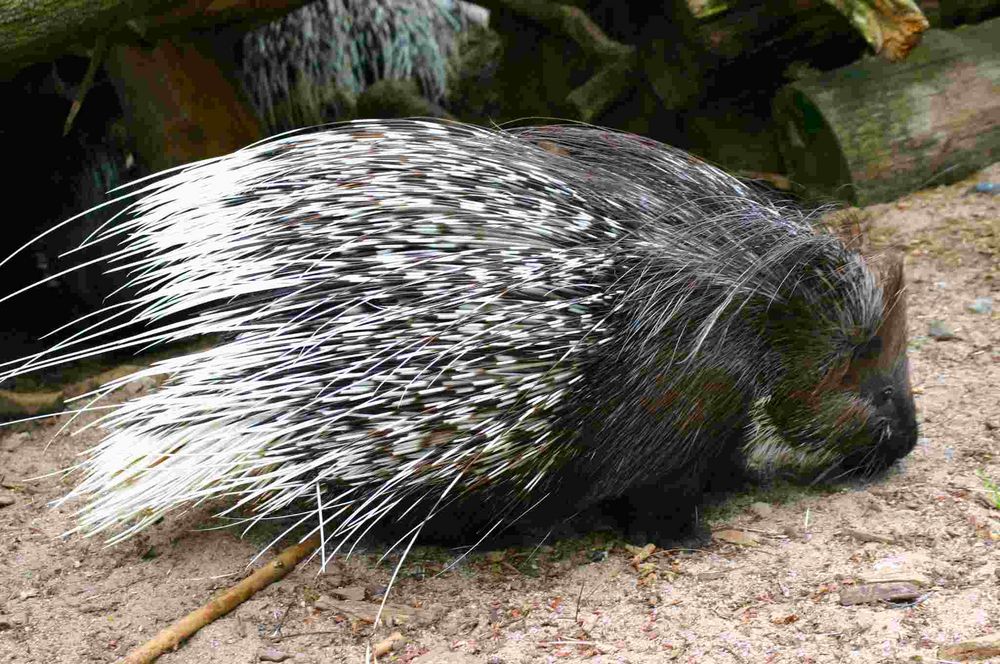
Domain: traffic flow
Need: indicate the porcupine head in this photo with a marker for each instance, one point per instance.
(849, 410)
(829, 393)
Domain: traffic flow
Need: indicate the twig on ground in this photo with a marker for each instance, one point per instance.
(172, 636)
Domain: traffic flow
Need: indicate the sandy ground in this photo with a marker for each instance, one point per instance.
(772, 594)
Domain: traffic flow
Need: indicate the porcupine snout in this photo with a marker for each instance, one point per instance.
(893, 418)
(860, 427)
(882, 376)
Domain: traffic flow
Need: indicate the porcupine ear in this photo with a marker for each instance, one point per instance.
(853, 227)
(889, 273)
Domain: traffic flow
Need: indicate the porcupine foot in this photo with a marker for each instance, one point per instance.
(649, 515)
(667, 512)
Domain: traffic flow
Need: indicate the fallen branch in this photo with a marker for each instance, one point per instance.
(892, 28)
(171, 637)
(604, 88)
(387, 645)
(565, 19)
(41, 30)
(617, 61)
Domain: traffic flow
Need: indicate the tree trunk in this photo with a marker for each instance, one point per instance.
(179, 105)
(960, 12)
(873, 131)
(40, 30)
(744, 28)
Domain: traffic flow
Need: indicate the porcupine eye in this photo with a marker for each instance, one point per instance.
(870, 350)
(862, 354)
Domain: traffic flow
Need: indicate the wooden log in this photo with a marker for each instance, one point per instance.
(745, 29)
(607, 63)
(179, 105)
(40, 30)
(891, 27)
(209, 14)
(673, 57)
(777, 33)
(960, 12)
(872, 131)
(563, 18)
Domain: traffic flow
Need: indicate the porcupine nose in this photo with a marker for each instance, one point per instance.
(903, 436)
(895, 413)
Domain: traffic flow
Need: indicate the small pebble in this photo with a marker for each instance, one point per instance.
(981, 305)
(880, 593)
(324, 604)
(13, 620)
(940, 331)
(355, 593)
(272, 655)
(241, 628)
(763, 510)
(991, 188)
(740, 537)
(144, 384)
(6, 501)
(394, 641)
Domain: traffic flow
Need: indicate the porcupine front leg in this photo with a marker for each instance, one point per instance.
(659, 514)
(695, 450)
(668, 510)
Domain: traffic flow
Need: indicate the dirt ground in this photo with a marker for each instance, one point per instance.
(768, 589)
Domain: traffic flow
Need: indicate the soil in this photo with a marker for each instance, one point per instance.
(768, 588)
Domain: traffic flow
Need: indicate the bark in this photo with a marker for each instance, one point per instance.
(787, 30)
(872, 131)
(616, 61)
(41, 30)
(38, 30)
(179, 105)
(891, 27)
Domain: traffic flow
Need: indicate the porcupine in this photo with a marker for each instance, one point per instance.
(419, 315)
(312, 63)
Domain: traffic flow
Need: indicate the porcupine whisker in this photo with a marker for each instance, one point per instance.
(34, 418)
(512, 504)
(363, 518)
(154, 336)
(89, 408)
(826, 475)
(282, 536)
(339, 502)
(27, 364)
